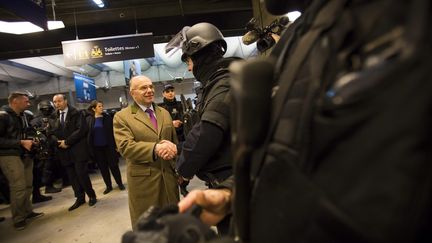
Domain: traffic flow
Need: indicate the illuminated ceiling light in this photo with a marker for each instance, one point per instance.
(53, 25)
(293, 15)
(100, 3)
(19, 28)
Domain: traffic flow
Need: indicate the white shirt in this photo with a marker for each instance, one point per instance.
(144, 108)
(65, 111)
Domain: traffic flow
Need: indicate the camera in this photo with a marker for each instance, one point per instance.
(41, 148)
(263, 36)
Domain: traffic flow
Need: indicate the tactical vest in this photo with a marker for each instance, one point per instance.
(213, 107)
(347, 157)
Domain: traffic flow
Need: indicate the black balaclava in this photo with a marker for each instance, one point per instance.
(205, 62)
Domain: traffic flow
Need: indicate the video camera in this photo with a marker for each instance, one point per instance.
(41, 148)
(263, 36)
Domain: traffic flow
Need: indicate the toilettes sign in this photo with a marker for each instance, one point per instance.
(107, 49)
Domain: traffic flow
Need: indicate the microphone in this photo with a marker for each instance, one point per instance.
(250, 37)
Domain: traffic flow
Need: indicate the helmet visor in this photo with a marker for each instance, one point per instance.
(177, 41)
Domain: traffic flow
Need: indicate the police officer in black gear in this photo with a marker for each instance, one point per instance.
(207, 149)
(38, 155)
(304, 185)
(175, 109)
(46, 162)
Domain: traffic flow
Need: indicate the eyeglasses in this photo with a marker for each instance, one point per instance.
(144, 88)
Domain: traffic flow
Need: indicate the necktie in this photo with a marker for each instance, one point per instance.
(152, 117)
(62, 118)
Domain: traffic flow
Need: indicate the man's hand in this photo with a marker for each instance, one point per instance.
(177, 123)
(62, 144)
(166, 150)
(27, 144)
(215, 203)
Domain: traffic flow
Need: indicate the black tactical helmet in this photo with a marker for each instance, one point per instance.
(199, 36)
(45, 105)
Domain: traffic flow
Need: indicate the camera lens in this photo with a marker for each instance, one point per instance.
(265, 43)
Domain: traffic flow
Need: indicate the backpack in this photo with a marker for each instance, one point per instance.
(347, 156)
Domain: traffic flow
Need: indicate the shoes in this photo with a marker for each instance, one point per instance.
(107, 190)
(51, 189)
(20, 225)
(34, 215)
(92, 201)
(76, 204)
(41, 198)
(121, 187)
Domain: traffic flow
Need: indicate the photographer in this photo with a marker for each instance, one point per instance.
(15, 161)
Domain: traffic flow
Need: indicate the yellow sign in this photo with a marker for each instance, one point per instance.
(96, 52)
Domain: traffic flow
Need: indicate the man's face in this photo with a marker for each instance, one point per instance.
(22, 103)
(169, 94)
(142, 90)
(59, 102)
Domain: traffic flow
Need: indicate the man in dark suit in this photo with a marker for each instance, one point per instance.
(70, 131)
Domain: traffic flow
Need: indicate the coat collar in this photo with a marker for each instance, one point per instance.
(140, 115)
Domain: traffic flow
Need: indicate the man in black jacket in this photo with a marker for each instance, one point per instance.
(70, 132)
(306, 185)
(15, 161)
(50, 164)
(207, 149)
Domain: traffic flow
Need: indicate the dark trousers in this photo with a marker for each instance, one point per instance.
(106, 163)
(80, 180)
(37, 177)
(19, 173)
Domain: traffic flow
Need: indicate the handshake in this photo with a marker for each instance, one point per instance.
(166, 150)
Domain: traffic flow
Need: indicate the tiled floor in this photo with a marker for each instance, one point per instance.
(107, 221)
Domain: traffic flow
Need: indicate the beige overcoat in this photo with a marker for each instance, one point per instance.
(150, 181)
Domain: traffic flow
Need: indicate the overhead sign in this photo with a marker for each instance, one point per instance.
(30, 10)
(107, 49)
(85, 88)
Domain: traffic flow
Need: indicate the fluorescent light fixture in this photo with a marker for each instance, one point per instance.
(100, 3)
(19, 28)
(293, 15)
(53, 25)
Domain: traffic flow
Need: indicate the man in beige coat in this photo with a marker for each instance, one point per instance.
(146, 137)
